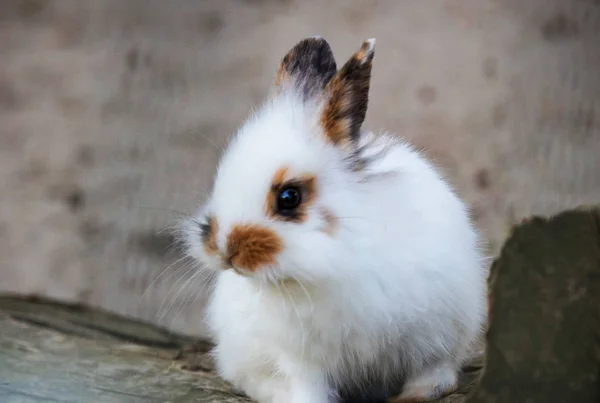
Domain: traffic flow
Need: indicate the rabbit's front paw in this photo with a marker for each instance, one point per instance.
(280, 390)
(265, 387)
(311, 393)
(431, 384)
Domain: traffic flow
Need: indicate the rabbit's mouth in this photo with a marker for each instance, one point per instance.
(239, 270)
(229, 263)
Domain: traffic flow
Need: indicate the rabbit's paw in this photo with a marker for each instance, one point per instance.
(433, 383)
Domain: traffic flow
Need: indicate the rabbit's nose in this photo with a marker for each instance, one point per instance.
(231, 251)
(228, 259)
(250, 247)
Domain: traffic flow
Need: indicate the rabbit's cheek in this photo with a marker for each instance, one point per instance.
(330, 222)
(209, 236)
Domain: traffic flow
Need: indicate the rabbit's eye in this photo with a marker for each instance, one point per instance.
(289, 198)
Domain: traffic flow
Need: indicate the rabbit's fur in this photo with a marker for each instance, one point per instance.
(375, 280)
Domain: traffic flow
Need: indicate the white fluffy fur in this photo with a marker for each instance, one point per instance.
(398, 289)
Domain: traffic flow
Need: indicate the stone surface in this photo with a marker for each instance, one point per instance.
(54, 353)
(543, 343)
(51, 352)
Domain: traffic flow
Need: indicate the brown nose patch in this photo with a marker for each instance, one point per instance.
(253, 246)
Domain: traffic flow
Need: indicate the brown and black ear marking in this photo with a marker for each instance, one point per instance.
(307, 67)
(348, 96)
(306, 184)
(208, 234)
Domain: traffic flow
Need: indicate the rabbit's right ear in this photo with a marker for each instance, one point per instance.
(348, 97)
(306, 68)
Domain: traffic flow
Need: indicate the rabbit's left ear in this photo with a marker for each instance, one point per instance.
(306, 68)
(348, 96)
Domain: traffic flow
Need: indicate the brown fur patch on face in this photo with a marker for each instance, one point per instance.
(252, 246)
(208, 234)
(348, 92)
(307, 67)
(281, 175)
(331, 221)
(306, 184)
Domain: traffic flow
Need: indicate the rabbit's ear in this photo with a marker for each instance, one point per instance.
(306, 68)
(347, 97)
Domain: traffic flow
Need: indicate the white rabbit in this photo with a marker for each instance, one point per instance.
(345, 263)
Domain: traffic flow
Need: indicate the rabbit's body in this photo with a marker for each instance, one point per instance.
(376, 281)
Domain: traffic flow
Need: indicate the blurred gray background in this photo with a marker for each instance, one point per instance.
(112, 113)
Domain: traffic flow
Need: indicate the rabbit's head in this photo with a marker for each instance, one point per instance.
(289, 171)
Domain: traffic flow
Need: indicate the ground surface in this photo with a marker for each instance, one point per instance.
(105, 358)
(111, 113)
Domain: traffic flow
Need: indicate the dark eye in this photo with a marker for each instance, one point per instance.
(289, 198)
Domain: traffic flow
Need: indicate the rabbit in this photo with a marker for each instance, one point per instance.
(345, 264)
